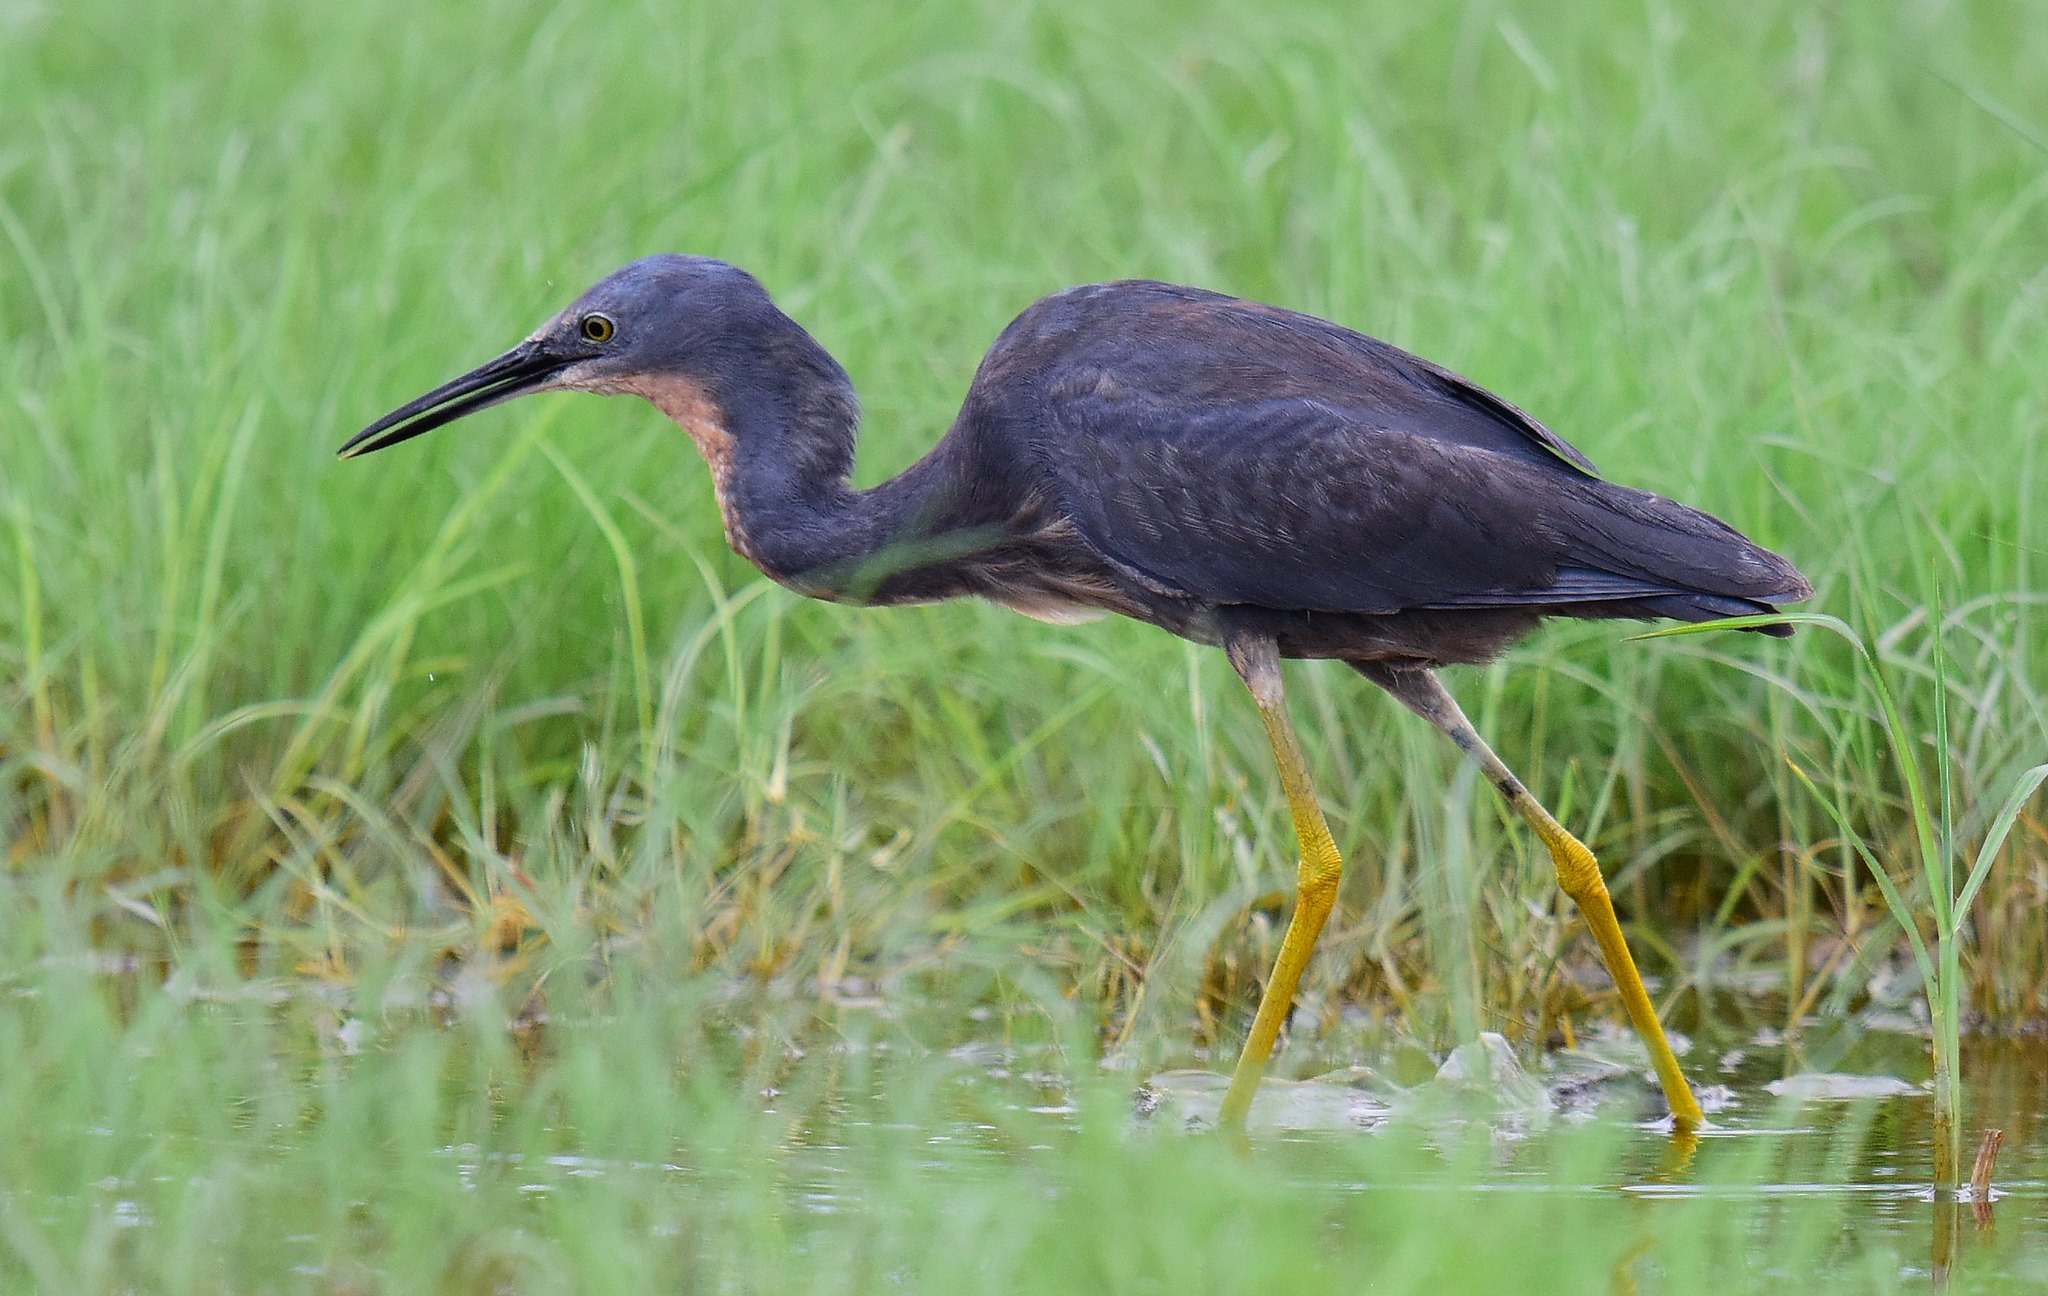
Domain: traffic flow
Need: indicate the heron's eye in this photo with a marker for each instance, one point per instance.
(598, 328)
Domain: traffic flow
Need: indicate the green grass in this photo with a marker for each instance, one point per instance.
(500, 709)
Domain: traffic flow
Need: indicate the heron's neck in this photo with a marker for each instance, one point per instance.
(781, 454)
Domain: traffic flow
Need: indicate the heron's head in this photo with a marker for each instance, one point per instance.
(660, 321)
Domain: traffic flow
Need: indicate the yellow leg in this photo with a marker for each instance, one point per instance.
(1258, 661)
(1578, 874)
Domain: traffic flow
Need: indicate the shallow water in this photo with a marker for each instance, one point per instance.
(1837, 1121)
(1787, 1136)
(1822, 1135)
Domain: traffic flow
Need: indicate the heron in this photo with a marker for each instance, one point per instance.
(1240, 475)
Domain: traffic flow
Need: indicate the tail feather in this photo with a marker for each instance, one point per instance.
(1698, 567)
(1712, 607)
(1668, 559)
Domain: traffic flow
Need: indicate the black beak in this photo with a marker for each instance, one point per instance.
(527, 367)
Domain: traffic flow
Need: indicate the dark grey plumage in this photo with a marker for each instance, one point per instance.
(1193, 460)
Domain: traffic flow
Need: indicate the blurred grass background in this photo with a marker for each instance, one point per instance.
(265, 719)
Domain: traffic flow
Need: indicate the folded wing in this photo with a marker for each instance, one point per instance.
(1307, 504)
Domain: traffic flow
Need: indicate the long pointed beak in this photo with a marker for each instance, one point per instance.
(529, 367)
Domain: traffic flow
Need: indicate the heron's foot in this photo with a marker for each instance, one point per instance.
(1318, 895)
(1257, 661)
(1579, 876)
(1578, 873)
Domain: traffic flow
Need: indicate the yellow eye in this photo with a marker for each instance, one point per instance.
(598, 328)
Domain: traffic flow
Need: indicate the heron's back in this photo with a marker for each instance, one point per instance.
(1217, 459)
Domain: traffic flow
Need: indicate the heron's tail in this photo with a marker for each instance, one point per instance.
(1696, 567)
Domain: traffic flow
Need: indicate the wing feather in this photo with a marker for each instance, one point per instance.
(1300, 505)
